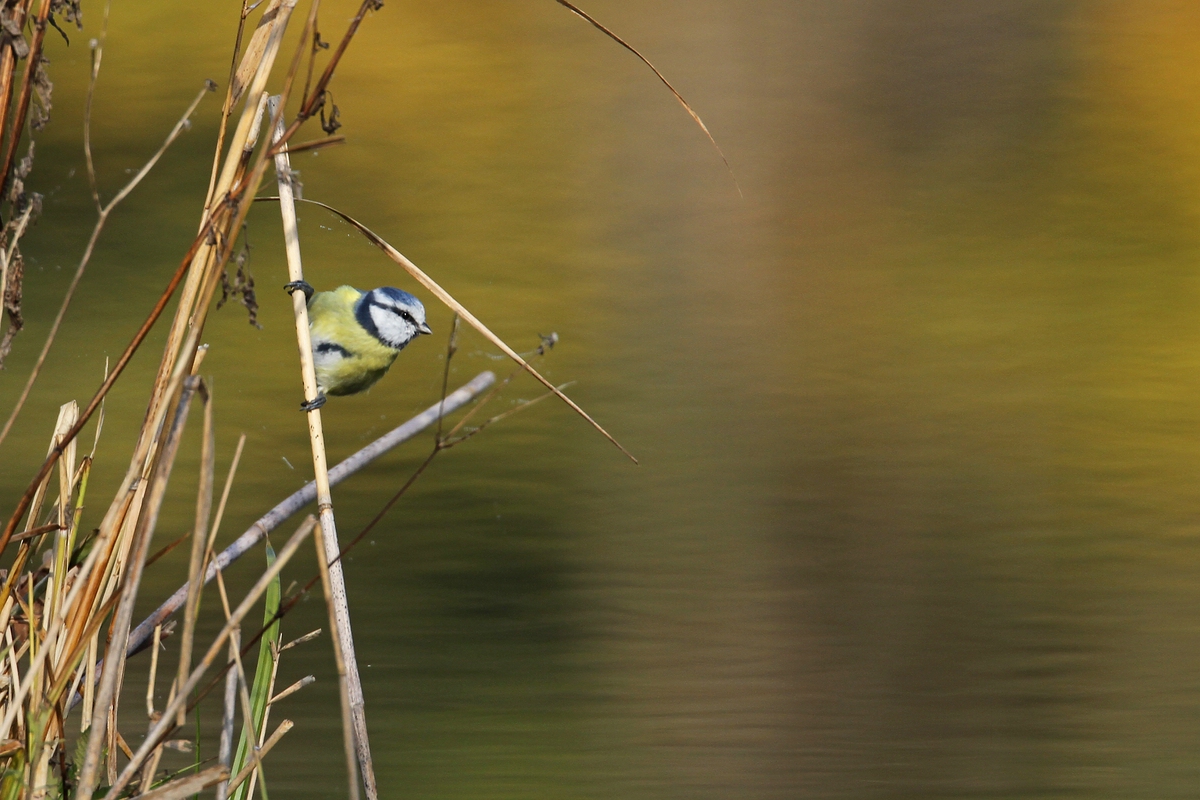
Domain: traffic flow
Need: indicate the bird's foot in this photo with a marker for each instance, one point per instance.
(303, 286)
(314, 404)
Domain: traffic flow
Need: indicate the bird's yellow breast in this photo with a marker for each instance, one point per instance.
(348, 359)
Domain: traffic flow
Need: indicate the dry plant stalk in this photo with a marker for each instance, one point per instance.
(349, 681)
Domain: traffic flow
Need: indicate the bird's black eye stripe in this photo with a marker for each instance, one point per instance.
(400, 312)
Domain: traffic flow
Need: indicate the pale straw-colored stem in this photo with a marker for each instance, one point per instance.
(225, 751)
(337, 597)
(204, 496)
(259, 753)
(340, 661)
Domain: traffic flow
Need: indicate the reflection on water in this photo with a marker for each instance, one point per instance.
(916, 515)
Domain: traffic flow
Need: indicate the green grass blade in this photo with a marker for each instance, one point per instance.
(261, 688)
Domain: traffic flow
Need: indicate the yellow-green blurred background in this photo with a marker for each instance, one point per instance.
(917, 514)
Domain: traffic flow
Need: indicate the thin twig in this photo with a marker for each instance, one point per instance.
(313, 144)
(686, 107)
(258, 753)
(93, 76)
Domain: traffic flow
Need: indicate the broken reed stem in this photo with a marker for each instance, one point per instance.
(167, 721)
(337, 595)
(188, 785)
(340, 661)
(297, 500)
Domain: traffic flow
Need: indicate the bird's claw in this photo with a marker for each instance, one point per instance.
(303, 286)
(314, 404)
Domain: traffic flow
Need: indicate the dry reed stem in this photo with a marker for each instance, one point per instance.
(225, 751)
(166, 722)
(302, 497)
(229, 102)
(110, 678)
(348, 675)
(256, 756)
(340, 662)
(187, 786)
(204, 495)
(291, 690)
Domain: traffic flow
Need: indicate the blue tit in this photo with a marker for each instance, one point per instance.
(357, 335)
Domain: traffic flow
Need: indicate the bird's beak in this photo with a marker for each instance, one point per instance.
(425, 328)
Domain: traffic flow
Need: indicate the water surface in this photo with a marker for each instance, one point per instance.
(917, 509)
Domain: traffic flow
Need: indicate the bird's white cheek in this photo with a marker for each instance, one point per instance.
(392, 329)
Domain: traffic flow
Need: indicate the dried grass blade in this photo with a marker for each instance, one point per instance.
(695, 117)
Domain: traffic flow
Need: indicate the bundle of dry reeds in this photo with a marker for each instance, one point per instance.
(67, 598)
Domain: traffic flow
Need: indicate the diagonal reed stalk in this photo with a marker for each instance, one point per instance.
(306, 494)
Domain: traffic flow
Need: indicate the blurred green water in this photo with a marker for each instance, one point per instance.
(916, 515)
